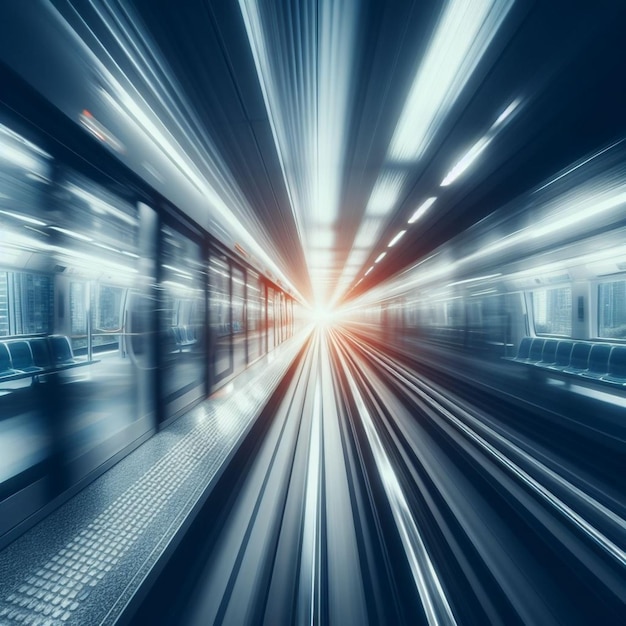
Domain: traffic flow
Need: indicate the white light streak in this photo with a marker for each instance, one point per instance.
(461, 38)
(466, 160)
(71, 233)
(422, 209)
(584, 211)
(397, 238)
(23, 218)
(474, 280)
(380, 257)
(385, 194)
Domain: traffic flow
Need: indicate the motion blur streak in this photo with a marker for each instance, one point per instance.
(304, 67)
(426, 579)
(371, 475)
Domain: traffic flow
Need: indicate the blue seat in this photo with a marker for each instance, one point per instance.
(524, 349)
(61, 350)
(580, 358)
(562, 356)
(548, 355)
(617, 366)
(6, 366)
(598, 365)
(536, 350)
(22, 357)
(41, 352)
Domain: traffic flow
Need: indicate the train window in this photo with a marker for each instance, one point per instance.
(612, 310)
(455, 313)
(271, 317)
(78, 315)
(239, 318)
(108, 305)
(4, 305)
(255, 316)
(552, 311)
(26, 303)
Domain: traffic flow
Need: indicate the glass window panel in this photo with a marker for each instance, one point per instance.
(4, 304)
(552, 311)
(612, 310)
(271, 319)
(239, 319)
(107, 306)
(254, 316)
(182, 320)
(221, 357)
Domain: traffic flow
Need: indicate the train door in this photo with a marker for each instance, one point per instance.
(220, 317)
(104, 252)
(255, 316)
(26, 313)
(182, 319)
(271, 319)
(239, 317)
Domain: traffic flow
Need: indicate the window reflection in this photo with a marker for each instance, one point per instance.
(239, 318)
(220, 320)
(182, 321)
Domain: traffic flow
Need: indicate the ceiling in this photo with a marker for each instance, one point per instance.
(332, 122)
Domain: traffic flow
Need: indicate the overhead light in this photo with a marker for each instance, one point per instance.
(380, 257)
(23, 218)
(397, 238)
(385, 194)
(477, 149)
(319, 257)
(368, 233)
(461, 38)
(422, 209)
(468, 158)
(368, 271)
(506, 114)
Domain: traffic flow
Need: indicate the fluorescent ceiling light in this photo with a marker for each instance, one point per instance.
(367, 235)
(477, 149)
(380, 257)
(386, 193)
(397, 238)
(462, 36)
(470, 156)
(422, 209)
(369, 270)
(320, 237)
(320, 257)
(506, 114)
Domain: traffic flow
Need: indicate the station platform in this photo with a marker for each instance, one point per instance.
(84, 562)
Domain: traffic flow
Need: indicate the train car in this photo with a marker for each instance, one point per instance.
(117, 311)
(531, 301)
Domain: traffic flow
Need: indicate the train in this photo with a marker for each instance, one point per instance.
(529, 303)
(118, 311)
